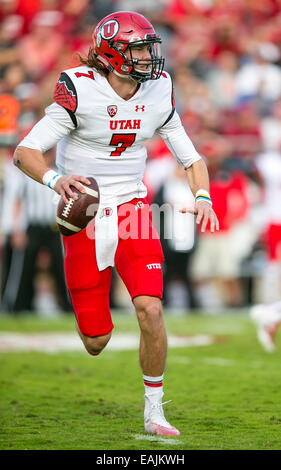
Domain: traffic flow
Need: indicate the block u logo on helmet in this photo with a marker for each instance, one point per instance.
(109, 29)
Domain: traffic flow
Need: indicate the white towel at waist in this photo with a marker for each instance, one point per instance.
(106, 235)
(106, 232)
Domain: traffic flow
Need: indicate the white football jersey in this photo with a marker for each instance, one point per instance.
(102, 135)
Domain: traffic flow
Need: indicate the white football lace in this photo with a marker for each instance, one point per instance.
(159, 405)
(67, 208)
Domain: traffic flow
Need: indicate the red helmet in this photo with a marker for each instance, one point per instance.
(116, 34)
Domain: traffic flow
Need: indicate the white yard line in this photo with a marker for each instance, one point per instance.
(152, 438)
(180, 359)
(54, 342)
(219, 361)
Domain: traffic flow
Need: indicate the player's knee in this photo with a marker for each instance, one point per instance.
(96, 344)
(153, 310)
(150, 313)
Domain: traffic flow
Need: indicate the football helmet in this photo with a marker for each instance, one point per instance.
(114, 37)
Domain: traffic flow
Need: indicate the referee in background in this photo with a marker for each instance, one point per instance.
(29, 229)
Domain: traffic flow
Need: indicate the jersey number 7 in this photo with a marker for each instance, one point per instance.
(121, 142)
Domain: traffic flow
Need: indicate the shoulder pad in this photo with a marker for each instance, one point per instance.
(65, 93)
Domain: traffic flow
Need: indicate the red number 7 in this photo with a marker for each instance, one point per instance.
(121, 142)
(90, 74)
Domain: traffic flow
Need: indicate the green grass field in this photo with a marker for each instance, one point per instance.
(224, 396)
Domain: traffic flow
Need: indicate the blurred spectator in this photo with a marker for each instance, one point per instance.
(39, 51)
(191, 93)
(159, 166)
(31, 235)
(9, 31)
(23, 9)
(222, 80)
(11, 221)
(242, 127)
(73, 11)
(216, 264)
(27, 95)
(177, 234)
(260, 77)
(269, 165)
(224, 32)
(9, 113)
(271, 128)
(13, 76)
(144, 6)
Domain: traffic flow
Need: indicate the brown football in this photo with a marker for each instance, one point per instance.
(75, 216)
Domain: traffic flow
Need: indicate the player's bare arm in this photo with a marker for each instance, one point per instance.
(33, 164)
(198, 178)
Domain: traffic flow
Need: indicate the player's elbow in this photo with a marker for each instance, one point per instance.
(17, 158)
(23, 155)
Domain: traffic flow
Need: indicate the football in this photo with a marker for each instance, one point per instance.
(76, 214)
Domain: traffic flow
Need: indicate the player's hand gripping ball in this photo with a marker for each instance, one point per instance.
(74, 216)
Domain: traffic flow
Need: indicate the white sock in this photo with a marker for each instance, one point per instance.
(153, 386)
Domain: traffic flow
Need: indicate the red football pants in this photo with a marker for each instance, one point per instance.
(138, 260)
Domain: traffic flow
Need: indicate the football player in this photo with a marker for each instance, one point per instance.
(103, 112)
(267, 318)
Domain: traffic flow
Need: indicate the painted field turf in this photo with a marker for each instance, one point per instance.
(224, 396)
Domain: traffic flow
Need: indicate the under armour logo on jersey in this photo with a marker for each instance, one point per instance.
(140, 108)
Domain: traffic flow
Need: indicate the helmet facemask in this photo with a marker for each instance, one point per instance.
(154, 65)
